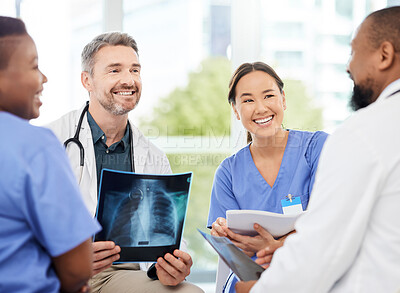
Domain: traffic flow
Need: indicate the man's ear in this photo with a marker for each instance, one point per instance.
(235, 111)
(86, 80)
(386, 52)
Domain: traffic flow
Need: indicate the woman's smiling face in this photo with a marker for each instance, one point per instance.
(22, 82)
(259, 104)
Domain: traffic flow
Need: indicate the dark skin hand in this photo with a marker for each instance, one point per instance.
(264, 256)
(244, 287)
(74, 268)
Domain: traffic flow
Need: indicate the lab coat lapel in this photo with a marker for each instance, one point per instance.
(140, 150)
(87, 142)
(89, 171)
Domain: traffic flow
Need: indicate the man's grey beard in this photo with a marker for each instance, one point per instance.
(362, 96)
(115, 108)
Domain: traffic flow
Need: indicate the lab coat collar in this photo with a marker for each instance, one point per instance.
(389, 90)
(140, 149)
(85, 137)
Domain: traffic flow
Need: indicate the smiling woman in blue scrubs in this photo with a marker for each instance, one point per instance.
(276, 164)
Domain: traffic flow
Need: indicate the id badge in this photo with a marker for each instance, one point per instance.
(291, 205)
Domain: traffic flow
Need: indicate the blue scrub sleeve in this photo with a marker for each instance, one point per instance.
(222, 197)
(313, 153)
(54, 208)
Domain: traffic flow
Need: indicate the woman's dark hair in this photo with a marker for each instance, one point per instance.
(9, 26)
(246, 68)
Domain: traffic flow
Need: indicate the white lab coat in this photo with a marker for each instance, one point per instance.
(349, 239)
(147, 157)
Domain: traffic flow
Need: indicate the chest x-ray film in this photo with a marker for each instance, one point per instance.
(142, 213)
(242, 265)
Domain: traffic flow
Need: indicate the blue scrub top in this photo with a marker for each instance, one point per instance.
(42, 214)
(239, 185)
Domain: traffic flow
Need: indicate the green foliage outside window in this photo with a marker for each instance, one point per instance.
(300, 114)
(200, 108)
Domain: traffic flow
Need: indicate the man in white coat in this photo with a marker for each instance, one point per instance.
(349, 240)
(111, 75)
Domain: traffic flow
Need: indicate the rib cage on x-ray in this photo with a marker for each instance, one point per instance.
(164, 215)
(133, 225)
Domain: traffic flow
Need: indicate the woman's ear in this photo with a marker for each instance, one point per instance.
(235, 111)
(283, 100)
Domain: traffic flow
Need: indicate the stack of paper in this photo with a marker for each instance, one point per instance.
(242, 222)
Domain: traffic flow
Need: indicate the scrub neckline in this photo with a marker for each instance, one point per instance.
(284, 159)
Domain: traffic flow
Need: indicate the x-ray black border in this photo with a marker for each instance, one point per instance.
(142, 254)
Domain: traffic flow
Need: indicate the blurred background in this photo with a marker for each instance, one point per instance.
(188, 50)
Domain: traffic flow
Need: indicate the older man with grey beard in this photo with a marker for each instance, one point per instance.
(103, 137)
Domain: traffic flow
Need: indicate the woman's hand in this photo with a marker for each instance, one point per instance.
(252, 244)
(220, 229)
(217, 227)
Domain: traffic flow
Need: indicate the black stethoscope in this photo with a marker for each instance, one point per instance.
(76, 141)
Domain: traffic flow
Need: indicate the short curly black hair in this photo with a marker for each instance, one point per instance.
(9, 27)
(385, 26)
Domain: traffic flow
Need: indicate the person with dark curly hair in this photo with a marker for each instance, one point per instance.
(45, 228)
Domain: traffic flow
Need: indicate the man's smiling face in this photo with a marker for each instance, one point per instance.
(115, 81)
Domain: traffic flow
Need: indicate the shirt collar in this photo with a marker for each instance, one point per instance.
(390, 89)
(125, 140)
(97, 133)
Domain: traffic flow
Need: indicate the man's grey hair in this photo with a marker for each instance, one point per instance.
(106, 39)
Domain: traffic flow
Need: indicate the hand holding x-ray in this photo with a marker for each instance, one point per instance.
(104, 254)
(173, 269)
(143, 214)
